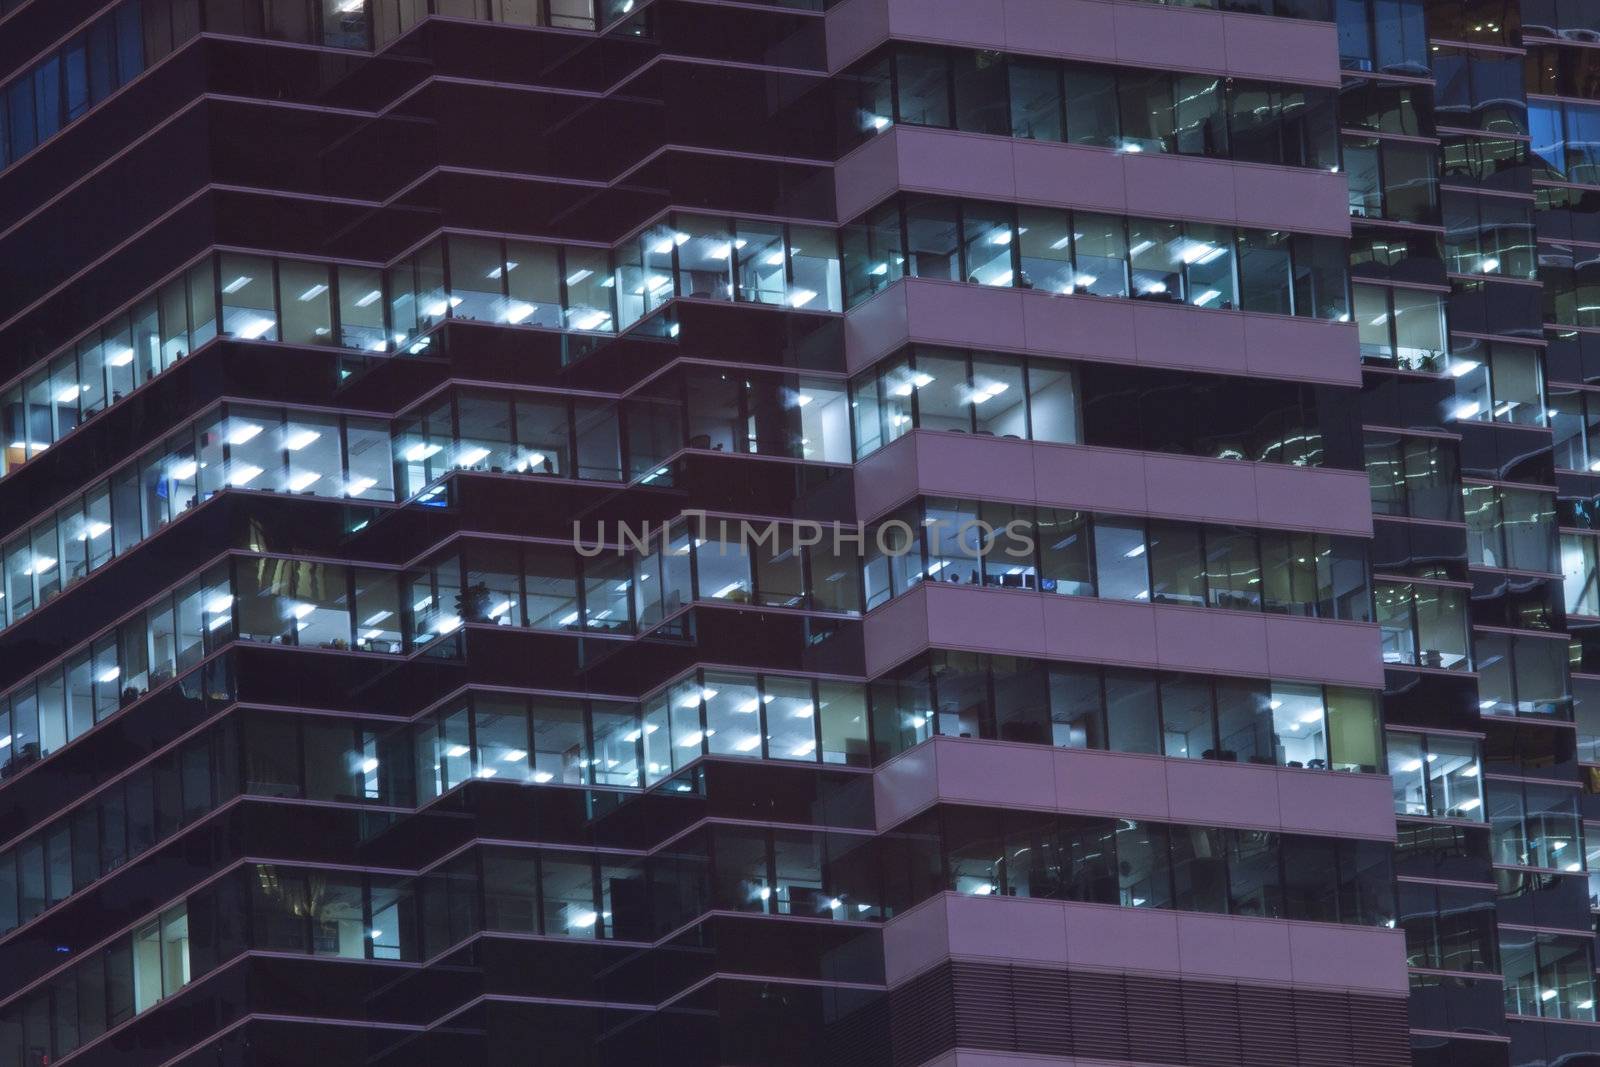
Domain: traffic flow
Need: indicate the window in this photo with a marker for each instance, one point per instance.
(758, 262)
(873, 253)
(1177, 567)
(1291, 731)
(1092, 117)
(1145, 100)
(981, 92)
(1499, 382)
(942, 389)
(1147, 111)
(1578, 571)
(1121, 572)
(705, 257)
(1488, 235)
(1385, 37)
(1036, 99)
(1448, 928)
(723, 569)
(1436, 775)
(713, 258)
(1414, 476)
(1100, 255)
(160, 959)
(978, 243)
(1422, 624)
(1402, 327)
(1392, 180)
(814, 269)
(249, 306)
(1575, 421)
(1154, 251)
(533, 279)
(344, 25)
(1188, 719)
(304, 294)
(1148, 864)
(1254, 882)
(732, 714)
(1547, 975)
(511, 890)
(1534, 825)
(500, 731)
(1512, 529)
(1264, 272)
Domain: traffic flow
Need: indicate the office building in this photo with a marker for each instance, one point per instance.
(759, 533)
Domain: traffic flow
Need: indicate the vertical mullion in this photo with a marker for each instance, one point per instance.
(1014, 248)
(335, 308)
(1167, 833)
(1072, 247)
(1161, 718)
(894, 85)
(1089, 524)
(1216, 717)
(189, 319)
(1027, 410)
(215, 259)
(905, 236)
(705, 713)
(277, 301)
(1127, 255)
(962, 273)
(770, 839)
(472, 730)
(527, 731)
(677, 270)
(1103, 714)
(972, 409)
(522, 592)
(350, 598)
(572, 439)
(816, 718)
(915, 405)
(988, 679)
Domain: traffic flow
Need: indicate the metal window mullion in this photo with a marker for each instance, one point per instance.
(277, 300)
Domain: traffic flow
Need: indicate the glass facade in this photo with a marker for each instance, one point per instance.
(1085, 104)
(1071, 553)
(66, 83)
(1062, 252)
(1052, 401)
(465, 597)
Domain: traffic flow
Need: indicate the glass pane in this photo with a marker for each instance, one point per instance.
(304, 295)
(361, 309)
(1121, 570)
(477, 279)
(533, 278)
(815, 269)
(1100, 254)
(248, 307)
(791, 718)
(922, 78)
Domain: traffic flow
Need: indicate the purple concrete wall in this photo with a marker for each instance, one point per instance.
(949, 163)
(1180, 944)
(1154, 636)
(1134, 786)
(1096, 328)
(1109, 479)
(1101, 31)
